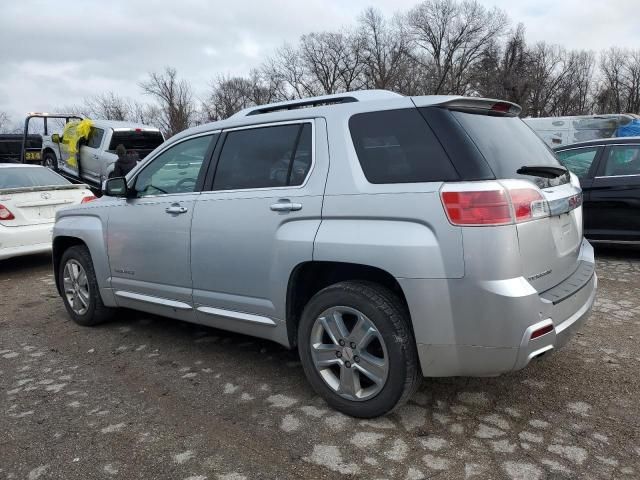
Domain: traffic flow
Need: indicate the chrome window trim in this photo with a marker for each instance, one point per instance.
(618, 176)
(148, 161)
(595, 147)
(274, 124)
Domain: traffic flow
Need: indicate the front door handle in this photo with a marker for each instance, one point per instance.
(286, 206)
(176, 209)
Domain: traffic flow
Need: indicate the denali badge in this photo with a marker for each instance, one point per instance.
(124, 272)
(539, 275)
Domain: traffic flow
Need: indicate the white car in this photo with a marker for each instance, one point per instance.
(30, 195)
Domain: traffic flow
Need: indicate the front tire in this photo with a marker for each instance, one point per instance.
(80, 291)
(357, 348)
(49, 160)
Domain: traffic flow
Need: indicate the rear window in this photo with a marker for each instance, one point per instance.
(25, 177)
(142, 142)
(507, 144)
(397, 146)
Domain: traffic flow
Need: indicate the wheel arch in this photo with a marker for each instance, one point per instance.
(60, 245)
(308, 278)
(87, 230)
(46, 150)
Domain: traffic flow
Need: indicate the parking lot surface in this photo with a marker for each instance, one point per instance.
(153, 398)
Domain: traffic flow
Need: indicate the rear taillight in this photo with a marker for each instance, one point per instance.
(490, 207)
(493, 203)
(89, 198)
(528, 203)
(5, 213)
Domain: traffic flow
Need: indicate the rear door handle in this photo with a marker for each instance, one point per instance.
(176, 209)
(286, 206)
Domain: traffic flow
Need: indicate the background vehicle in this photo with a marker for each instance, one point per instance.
(97, 154)
(30, 196)
(443, 238)
(609, 172)
(11, 148)
(557, 131)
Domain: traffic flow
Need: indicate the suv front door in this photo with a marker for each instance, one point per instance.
(148, 237)
(257, 222)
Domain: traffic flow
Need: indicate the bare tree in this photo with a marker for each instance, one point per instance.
(332, 60)
(5, 122)
(385, 50)
(175, 100)
(286, 71)
(450, 37)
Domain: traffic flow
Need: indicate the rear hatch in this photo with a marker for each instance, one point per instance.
(33, 195)
(549, 246)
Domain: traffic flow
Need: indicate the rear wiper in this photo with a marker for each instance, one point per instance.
(545, 171)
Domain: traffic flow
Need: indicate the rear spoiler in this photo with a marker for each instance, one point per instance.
(72, 186)
(483, 106)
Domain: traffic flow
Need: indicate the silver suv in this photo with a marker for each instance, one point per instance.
(385, 237)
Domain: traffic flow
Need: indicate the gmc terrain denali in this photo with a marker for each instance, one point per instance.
(386, 237)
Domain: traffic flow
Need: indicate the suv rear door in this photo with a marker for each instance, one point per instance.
(257, 222)
(583, 162)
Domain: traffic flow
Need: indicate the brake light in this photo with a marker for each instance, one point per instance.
(5, 213)
(493, 203)
(89, 198)
(500, 107)
(490, 207)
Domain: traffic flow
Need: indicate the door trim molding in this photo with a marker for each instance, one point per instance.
(246, 317)
(155, 300)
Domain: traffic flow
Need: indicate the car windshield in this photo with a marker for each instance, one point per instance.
(26, 177)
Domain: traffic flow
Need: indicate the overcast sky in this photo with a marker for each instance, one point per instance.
(57, 53)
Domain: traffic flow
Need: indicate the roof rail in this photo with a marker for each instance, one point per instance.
(335, 99)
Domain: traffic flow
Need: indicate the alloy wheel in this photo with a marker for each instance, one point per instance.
(76, 287)
(349, 353)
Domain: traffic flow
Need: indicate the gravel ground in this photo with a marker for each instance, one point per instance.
(147, 397)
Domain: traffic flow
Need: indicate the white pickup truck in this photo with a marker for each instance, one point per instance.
(96, 157)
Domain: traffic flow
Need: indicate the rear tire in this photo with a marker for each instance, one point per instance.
(355, 377)
(80, 291)
(49, 160)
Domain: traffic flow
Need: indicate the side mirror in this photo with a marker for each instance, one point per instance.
(55, 138)
(115, 187)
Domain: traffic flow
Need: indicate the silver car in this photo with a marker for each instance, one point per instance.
(385, 237)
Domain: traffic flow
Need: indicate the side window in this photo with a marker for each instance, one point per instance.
(265, 157)
(579, 160)
(95, 137)
(175, 170)
(397, 146)
(623, 160)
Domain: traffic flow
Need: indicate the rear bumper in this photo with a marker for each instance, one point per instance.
(483, 328)
(562, 330)
(26, 240)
